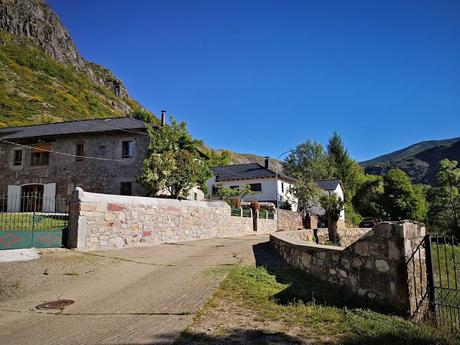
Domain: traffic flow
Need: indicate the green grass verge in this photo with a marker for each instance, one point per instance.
(288, 297)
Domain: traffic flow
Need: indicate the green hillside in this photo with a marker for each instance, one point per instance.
(34, 88)
(420, 161)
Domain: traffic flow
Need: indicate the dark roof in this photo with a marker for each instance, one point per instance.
(328, 184)
(245, 171)
(72, 127)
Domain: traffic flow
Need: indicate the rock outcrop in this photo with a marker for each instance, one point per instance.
(36, 20)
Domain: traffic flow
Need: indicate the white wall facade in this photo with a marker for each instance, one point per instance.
(339, 192)
(272, 189)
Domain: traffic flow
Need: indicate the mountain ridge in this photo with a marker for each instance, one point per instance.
(44, 79)
(420, 161)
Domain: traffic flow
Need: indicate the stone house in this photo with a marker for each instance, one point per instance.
(268, 185)
(101, 155)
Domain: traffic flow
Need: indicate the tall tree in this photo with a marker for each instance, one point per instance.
(444, 209)
(308, 161)
(368, 196)
(343, 167)
(173, 162)
(401, 200)
(308, 195)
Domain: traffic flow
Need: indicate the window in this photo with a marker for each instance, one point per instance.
(17, 157)
(215, 190)
(127, 149)
(195, 196)
(256, 187)
(79, 152)
(126, 188)
(40, 155)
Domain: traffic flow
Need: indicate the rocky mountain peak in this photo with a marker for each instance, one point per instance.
(36, 20)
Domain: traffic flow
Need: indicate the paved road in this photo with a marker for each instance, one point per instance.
(142, 296)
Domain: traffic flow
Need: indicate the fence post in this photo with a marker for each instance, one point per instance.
(430, 276)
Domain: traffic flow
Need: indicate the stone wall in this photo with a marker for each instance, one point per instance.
(374, 267)
(289, 220)
(114, 221)
(321, 236)
(97, 176)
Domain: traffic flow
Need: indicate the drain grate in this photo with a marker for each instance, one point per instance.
(59, 304)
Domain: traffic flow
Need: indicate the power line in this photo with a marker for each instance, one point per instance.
(62, 153)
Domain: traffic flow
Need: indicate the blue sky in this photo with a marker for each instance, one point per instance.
(262, 76)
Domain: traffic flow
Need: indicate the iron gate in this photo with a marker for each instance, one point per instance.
(435, 279)
(32, 220)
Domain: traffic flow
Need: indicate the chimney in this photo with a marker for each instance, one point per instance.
(163, 118)
(267, 162)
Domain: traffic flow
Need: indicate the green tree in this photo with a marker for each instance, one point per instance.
(368, 197)
(308, 195)
(332, 206)
(234, 196)
(401, 200)
(444, 208)
(343, 167)
(219, 158)
(308, 161)
(173, 162)
(145, 116)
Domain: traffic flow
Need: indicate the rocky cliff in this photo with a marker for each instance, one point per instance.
(26, 25)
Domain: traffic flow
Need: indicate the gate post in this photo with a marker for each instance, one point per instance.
(430, 276)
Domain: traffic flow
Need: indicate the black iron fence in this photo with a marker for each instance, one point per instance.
(434, 274)
(444, 279)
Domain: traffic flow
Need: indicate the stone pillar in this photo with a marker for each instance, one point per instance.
(76, 237)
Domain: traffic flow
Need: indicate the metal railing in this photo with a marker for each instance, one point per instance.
(444, 276)
(33, 212)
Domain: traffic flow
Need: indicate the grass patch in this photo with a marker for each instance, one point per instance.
(284, 305)
(29, 222)
(34, 88)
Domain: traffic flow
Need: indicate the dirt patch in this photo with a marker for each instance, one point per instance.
(226, 322)
(55, 268)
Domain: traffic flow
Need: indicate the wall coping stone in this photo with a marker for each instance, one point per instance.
(95, 198)
(287, 236)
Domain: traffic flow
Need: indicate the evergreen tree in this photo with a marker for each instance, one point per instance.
(444, 209)
(343, 167)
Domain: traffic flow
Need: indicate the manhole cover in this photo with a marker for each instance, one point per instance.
(61, 303)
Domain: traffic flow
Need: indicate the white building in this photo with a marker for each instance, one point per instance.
(268, 185)
(330, 187)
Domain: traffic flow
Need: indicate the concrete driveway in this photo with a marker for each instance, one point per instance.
(128, 296)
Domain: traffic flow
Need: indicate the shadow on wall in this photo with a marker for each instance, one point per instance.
(305, 287)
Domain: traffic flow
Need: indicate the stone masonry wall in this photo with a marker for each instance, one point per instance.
(346, 235)
(289, 220)
(93, 175)
(374, 267)
(114, 221)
